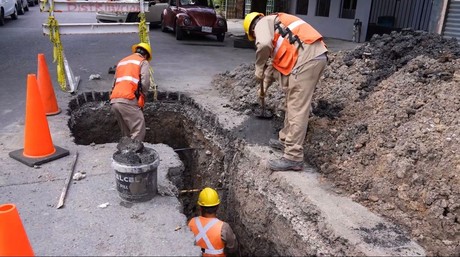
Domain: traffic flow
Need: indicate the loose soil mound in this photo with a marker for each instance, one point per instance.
(385, 129)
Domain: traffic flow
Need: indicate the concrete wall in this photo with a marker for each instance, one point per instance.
(333, 26)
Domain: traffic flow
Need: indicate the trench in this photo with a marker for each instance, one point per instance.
(175, 120)
(271, 215)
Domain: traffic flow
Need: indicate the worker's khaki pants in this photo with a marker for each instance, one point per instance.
(298, 88)
(130, 119)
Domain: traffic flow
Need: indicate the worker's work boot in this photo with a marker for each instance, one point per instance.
(284, 164)
(276, 144)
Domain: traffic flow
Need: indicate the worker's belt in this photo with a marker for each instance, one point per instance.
(322, 56)
(212, 251)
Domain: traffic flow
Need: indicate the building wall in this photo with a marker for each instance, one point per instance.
(333, 26)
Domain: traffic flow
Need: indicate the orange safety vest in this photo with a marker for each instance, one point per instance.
(284, 48)
(207, 233)
(127, 79)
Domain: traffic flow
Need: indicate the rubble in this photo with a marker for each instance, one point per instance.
(384, 129)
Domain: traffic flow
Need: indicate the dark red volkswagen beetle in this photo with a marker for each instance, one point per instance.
(193, 16)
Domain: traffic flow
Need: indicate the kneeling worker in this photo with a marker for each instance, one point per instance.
(130, 87)
(212, 234)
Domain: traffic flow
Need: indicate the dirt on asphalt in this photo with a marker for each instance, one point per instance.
(384, 130)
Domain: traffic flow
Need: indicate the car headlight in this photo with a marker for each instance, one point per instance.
(221, 23)
(187, 21)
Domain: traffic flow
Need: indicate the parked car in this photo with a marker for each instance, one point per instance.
(32, 2)
(8, 8)
(193, 16)
(153, 16)
(22, 6)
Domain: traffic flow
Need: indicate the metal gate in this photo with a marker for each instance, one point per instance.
(400, 14)
(452, 23)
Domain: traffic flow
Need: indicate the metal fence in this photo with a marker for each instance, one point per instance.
(413, 14)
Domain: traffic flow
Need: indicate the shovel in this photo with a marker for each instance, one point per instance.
(263, 113)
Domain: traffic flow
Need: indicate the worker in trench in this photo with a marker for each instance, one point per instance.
(215, 237)
(291, 51)
(130, 87)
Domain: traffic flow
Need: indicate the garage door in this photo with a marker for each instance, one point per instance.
(452, 25)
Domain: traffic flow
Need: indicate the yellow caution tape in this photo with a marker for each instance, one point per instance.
(58, 51)
(144, 38)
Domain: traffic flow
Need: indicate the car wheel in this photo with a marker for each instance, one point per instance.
(26, 8)
(2, 18)
(20, 9)
(14, 16)
(220, 37)
(32, 3)
(179, 33)
(133, 17)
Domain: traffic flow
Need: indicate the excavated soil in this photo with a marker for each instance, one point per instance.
(384, 130)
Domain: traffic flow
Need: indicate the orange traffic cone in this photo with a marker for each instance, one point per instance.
(46, 87)
(38, 145)
(13, 237)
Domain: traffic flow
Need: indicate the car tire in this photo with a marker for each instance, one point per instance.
(179, 33)
(32, 3)
(20, 9)
(220, 37)
(26, 8)
(133, 17)
(2, 17)
(14, 16)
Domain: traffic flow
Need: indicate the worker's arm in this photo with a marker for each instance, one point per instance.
(145, 77)
(227, 235)
(264, 33)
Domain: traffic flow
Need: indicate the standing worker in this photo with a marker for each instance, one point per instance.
(130, 86)
(291, 51)
(212, 234)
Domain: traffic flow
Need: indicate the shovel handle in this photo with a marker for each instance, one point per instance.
(262, 92)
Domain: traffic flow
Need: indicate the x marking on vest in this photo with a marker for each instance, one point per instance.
(202, 232)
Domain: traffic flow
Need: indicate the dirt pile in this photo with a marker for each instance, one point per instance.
(385, 129)
(132, 152)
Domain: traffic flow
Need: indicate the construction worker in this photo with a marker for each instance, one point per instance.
(130, 86)
(214, 236)
(291, 51)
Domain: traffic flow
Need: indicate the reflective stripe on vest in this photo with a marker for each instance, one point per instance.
(281, 38)
(127, 77)
(293, 34)
(202, 235)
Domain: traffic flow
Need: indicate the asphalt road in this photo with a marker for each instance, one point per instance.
(156, 227)
(185, 66)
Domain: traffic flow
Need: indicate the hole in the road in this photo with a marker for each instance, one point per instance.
(91, 122)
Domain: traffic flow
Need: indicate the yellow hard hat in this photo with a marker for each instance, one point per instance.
(247, 22)
(208, 197)
(143, 46)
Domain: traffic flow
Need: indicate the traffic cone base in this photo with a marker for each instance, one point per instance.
(13, 237)
(54, 113)
(38, 144)
(31, 162)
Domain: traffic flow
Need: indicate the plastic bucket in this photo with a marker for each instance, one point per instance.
(137, 183)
